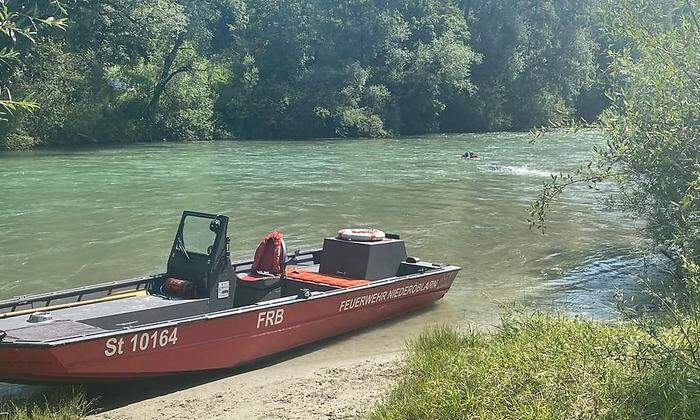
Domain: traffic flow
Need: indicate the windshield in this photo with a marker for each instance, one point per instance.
(196, 235)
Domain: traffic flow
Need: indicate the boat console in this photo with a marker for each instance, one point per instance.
(200, 256)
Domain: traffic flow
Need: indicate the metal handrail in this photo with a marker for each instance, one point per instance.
(14, 303)
(298, 256)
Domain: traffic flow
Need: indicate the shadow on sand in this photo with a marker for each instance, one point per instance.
(109, 396)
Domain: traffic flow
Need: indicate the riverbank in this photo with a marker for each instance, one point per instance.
(330, 390)
(543, 366)
(323, 391)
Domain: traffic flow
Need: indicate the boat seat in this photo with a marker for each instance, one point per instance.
(334, 280)
(255, 277)
(256, 287)
(263, 281)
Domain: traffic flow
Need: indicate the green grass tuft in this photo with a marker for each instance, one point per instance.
(540, 367)
(67, 404)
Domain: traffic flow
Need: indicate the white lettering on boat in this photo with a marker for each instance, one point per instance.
(268, 318)
(373, 298)
(141, 342)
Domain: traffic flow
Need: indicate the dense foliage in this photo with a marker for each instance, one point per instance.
(653, 126)
(654, 123)
(134, 70)
(540, 62)
(21, 22)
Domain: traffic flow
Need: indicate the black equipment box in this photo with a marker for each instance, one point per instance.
(362, 260)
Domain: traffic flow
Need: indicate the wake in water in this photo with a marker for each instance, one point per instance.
(516, 170)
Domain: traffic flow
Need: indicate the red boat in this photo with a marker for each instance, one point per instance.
(207, 313)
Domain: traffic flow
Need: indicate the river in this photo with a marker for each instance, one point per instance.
(77, 217)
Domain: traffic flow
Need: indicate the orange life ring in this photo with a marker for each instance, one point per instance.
(361, 235)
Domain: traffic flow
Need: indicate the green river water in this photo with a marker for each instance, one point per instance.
(77, 217)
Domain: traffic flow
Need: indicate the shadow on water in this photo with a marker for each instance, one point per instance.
(113, 395)
(596, 287)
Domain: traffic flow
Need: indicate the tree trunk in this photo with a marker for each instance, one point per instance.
(166, 75)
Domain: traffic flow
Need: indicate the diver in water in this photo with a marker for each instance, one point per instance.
(495, 167)
(470, 155)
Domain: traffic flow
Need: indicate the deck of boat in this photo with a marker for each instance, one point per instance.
(93, 318)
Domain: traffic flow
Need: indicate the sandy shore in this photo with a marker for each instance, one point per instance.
(282, 391)
(339, 378)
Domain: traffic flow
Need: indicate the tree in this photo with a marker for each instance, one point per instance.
(146, 47)
(351, 68)
(539, 56)
(127, 70)
(20, 23)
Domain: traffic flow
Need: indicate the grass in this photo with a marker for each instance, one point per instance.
(541, 367)
(66, 404)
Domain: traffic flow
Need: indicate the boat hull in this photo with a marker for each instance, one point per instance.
(220, 340)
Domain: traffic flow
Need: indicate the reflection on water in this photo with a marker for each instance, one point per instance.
(71, 218)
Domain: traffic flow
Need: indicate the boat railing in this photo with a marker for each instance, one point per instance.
(302, 257)
(298, 257)
(66, 298)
